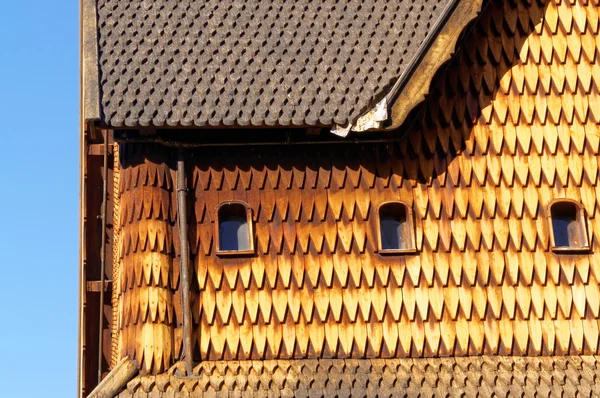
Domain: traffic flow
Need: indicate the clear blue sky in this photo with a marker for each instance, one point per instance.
(39, 77)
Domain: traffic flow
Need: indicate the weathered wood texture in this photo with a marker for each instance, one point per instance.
(510, 124)
(115, 354)
(90, 106)
(115, 380)
(149, 265)
(568, 376)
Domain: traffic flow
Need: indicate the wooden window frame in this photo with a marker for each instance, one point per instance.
(581, 219)
(409, 219)
(248, 210)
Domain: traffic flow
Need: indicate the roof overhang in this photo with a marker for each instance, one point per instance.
(387, 112)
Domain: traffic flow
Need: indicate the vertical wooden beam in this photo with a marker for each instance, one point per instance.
(82, 163)
(116, 255)
(102, 253)
(185, 270)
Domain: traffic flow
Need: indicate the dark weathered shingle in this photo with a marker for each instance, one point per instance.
(254, 62)
(425, 377)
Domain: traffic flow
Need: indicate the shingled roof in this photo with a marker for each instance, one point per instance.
(253, 63)
(433, 377)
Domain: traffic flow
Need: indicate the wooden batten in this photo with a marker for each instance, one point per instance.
(116, 254)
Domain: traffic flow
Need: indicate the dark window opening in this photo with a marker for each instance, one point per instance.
(568, 229)
(234, 230)
(394, 227)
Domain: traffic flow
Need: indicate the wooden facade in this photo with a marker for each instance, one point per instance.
(510, 124)
(496, 172)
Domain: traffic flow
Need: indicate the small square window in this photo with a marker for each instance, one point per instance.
(234, 229)
(395, 228)
(567, 226)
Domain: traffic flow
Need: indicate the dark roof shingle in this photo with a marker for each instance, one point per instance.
(485, 376)
(229, 62)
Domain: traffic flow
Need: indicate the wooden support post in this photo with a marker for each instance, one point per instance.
(185, 271)
(103, 255)
(115, 380)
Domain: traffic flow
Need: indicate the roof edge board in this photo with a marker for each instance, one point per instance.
(90, 67)
(411, 88)
(440, 51)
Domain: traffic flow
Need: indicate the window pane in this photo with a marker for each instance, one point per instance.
(390, 233)
(567, 229)
(394, 227)
(233, 228)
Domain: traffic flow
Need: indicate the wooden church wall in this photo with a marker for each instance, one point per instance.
(146, 284)
(510, 124)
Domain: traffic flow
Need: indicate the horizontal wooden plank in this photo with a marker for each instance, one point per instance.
(98, 149)
(95, 286)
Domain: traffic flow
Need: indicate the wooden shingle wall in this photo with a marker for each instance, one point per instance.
(510, 124)
(148, 277)
(114, 351)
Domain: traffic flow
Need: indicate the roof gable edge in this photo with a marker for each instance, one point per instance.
(408, 92)
(89, 66)
(441, 50)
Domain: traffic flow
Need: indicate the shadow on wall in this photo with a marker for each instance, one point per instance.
(468, 96)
